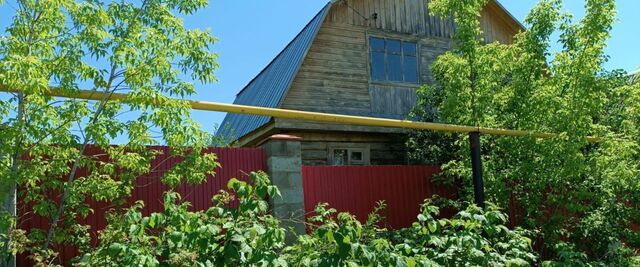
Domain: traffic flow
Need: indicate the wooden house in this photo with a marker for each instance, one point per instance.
(355, 57)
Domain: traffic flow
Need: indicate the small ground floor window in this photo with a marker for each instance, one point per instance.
(348, 154)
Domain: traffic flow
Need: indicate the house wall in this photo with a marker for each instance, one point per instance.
(335, 74)
(384, 149)
(497, 25)
(334, 77)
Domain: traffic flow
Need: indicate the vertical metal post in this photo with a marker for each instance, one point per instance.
(476, 168)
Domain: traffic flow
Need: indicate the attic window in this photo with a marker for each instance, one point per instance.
(393, 60)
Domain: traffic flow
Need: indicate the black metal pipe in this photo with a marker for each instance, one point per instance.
(476, 168)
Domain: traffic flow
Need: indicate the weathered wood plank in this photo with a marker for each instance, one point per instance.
(329, 96)
(395, 11)
(342, 30)
(318, 82)
(337, 38)
(392, 101)
(331, 63)
(325, 109)
(336, 48)
(350, 14)
(309, 154)
(338, 56)
(313, 145)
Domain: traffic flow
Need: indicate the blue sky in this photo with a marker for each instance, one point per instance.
(252, 32)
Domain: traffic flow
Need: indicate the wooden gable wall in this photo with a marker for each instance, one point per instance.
(334, 76)
(401, 16)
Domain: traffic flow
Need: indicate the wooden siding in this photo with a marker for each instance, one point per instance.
(391, 102)
(385, 149)
(414, 17)
(335, 75)
(497, 25)
(402, 16)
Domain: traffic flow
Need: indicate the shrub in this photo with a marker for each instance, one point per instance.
(249, 236)
(241, 236)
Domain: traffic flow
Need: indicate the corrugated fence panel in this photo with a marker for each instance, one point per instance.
(356, 189)
(235, 163)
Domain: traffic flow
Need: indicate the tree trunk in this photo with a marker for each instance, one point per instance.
(9, 205)
(10, 201)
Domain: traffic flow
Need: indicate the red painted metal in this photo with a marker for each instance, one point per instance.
(235, 162)
(356, 189)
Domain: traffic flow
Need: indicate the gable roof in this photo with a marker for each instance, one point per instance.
(269, 87)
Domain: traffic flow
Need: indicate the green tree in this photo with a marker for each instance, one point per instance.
(586, 194)
(141, 48)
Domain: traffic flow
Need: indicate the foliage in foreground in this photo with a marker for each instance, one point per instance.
(249, 236)
(246, 235)
(580, 197)
(141, 48)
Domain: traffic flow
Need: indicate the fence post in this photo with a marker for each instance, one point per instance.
(476, 168)
(284, 163)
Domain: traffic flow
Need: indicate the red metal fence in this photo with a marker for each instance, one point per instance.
(236, 162)
(357, 188)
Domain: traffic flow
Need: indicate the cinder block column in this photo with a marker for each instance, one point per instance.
(284, 162)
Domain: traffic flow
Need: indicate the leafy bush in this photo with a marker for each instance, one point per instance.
(473, 237)
(341, 240)
(241, 236)
(249, 236)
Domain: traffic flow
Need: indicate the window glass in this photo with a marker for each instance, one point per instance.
(393, 47)
(377, 66)
(356, 155)
(340, 157)
(393, 60)
(377, 44)
(409, 49)
(410, 69)
(394, 68)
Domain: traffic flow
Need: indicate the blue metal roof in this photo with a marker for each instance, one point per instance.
(269, 88)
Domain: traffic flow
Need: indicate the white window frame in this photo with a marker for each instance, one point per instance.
(350, 148)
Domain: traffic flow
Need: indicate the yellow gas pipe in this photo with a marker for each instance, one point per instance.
(315, 116)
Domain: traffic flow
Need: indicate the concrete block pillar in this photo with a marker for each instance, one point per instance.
(284, 163)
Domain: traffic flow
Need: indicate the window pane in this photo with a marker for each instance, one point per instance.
(410, 69)
(376, 44)
(339, 157)
(377, 66)
(394, 68)
(393, 47)
(356, 155)
(409, 49)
